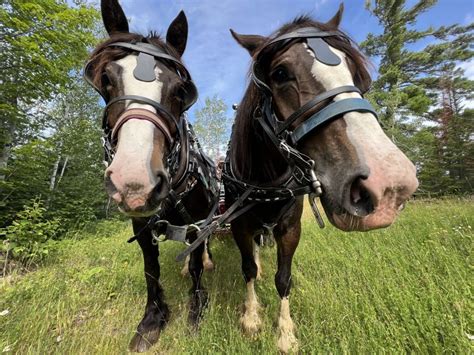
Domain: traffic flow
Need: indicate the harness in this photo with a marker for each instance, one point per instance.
(187, 163)
(302, 179)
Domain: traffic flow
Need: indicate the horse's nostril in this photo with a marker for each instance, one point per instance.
(360, 200)
(160, 191)
(109, 185)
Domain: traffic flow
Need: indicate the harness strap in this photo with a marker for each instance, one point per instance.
(146, 48)
(231, 214)
(282, 126)
(329, 112)
(141, 114)
(305, 32)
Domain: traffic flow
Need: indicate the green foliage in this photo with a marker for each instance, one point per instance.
(42, 43)
(28, 235)
(65, 169)
(212, 127)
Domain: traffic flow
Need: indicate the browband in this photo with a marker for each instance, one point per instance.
(148, 49)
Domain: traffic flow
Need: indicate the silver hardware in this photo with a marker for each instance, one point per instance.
(312, 201)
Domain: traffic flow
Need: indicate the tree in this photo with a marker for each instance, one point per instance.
(419, 93)
(64, 170)
(41, 43)
(212, 127)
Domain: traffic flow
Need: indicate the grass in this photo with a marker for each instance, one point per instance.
(402, 289)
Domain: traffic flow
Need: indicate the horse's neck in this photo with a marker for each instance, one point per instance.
(267, 167)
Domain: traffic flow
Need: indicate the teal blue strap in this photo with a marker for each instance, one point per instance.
(329, 112)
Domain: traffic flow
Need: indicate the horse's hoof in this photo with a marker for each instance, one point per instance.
(197, 305)
(287, 343)
(185, 271)
(251, 322)
(143, 342)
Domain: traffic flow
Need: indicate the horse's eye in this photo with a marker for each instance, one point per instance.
(181, 93)
(280, 75)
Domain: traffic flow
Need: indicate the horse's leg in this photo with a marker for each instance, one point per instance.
(199, 295)
(156, 310)
(206, 260)
(250, 320)
(256, 258)
(185, 269)
(287, 240)
(207, 257)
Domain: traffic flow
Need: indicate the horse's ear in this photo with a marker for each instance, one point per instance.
(336, 20)
(250, 42)
(177, 34)
(113, 16)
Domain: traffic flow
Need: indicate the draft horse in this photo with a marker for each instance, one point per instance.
(303, 127)
(157, 173)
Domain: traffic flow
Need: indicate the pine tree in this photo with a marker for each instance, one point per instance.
(420, 93)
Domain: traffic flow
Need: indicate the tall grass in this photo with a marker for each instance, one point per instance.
(402, 289)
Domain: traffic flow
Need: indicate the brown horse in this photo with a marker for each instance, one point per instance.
(305, 104)
(155, 171)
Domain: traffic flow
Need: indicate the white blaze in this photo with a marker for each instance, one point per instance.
(132, 162)
(136, 136)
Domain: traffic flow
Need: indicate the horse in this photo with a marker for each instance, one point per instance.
(157, 173)
(303, 127)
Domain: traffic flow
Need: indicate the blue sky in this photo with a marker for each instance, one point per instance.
(219, 65)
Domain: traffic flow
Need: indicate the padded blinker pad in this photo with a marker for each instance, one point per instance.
(145, 69)
(322, 52)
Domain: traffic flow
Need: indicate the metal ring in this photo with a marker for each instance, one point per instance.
(194, 227)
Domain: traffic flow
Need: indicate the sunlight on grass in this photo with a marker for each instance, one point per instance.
(402, 289)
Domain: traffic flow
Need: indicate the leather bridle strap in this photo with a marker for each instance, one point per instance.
(160, 109)
(282, 126)
(141, 114)
(329, 112)
(148, 49)
(305, 32)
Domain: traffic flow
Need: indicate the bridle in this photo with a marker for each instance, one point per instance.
(163, 119)
(186, 163)
(302, 179)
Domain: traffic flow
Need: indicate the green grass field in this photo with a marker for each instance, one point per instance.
(402, 289)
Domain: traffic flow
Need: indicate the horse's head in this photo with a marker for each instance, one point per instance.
(146, 88)
(366, 179)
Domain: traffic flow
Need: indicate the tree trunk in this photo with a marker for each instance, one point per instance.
(63, 170)
(52, 180)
